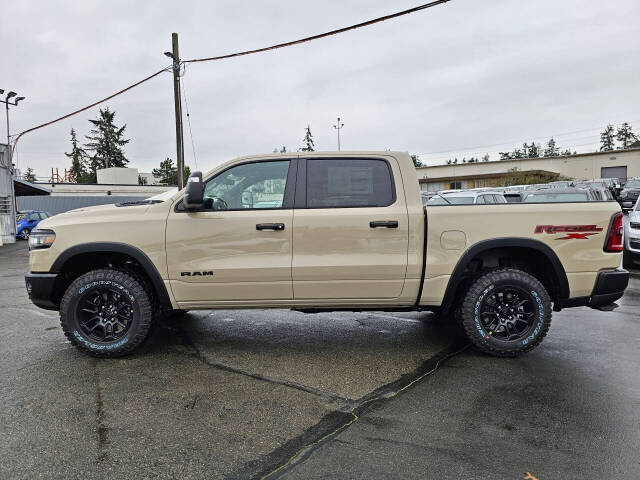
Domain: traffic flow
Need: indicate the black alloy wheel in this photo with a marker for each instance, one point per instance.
(104, 314)
(508, 313)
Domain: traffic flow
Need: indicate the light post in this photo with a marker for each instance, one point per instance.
(7, 102)
(338, 127)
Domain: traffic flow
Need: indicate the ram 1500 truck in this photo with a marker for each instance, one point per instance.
(323, 231)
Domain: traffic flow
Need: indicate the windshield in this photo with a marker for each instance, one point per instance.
(437, 200)
(556, 197)
(635, 183)
(460, 200)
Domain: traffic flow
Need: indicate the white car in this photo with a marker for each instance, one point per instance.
(632, 238)
(467, 197)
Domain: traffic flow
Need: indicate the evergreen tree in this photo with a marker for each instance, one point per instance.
(78, 158)
(106, 141)
(532, 151)
(30, 176)
(142, 180)
(552, 149)
(505, 156)
(416, 161)
(283, 149)
(485, 157)
(308, 141)
(607, 141)
(168, 172)
(625, 136)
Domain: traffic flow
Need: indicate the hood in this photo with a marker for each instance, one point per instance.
(96, 214)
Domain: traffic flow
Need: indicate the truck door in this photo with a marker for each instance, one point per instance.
(350, 234)
(238, 247)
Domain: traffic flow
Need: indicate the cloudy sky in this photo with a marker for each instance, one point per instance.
(463, 78)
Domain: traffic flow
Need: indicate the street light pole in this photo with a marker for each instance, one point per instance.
(338, 127)
(7, 102)
(174, 54)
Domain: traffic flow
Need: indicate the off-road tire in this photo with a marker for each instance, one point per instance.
(141, 321)
(483, 286)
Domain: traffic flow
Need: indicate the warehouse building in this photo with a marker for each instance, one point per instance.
(584, 166)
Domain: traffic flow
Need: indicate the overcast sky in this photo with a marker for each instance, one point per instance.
(453, 80)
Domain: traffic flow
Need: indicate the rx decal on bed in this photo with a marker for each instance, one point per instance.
(574, 232)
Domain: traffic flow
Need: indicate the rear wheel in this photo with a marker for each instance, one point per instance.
(506, 312)
(24, 234)
(106, 313)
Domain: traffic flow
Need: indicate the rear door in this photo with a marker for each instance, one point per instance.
(350, 234)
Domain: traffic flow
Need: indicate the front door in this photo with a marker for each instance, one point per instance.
(238, 247)
(351, 230)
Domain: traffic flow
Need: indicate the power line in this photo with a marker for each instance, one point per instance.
(511, 142)
(321, 35)
(119, 92)
(186, 105)
(238, 54)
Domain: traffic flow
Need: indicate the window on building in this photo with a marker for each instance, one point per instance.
(455, 185)
(5, 205)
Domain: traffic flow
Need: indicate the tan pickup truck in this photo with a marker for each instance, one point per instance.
(323, 231)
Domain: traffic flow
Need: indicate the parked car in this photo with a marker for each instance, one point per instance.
(470, 197)
(630, 193)
(513, 196)
(27, 221)
(632, 238)
(558, 195)
(348, 233)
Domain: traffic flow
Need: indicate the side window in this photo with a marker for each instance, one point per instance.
(481, 199)
(499, 199)
(343, 183)
(33, 217)
(258, 185)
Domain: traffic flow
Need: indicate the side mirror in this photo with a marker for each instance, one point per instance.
(194, 193)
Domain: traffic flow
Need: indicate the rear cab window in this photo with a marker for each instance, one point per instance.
(349, 183)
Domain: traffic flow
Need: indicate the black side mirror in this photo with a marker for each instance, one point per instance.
(194, 193)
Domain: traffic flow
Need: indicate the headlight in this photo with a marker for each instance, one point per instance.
(41, 239)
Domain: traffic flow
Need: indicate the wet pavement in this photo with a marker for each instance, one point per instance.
(248, 394)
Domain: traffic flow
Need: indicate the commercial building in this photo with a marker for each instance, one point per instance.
(583, 166)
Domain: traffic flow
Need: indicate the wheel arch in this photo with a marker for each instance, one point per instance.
(558, 286)
(106, 251)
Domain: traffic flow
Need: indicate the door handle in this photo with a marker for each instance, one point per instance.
(270, 226)
(386, 223)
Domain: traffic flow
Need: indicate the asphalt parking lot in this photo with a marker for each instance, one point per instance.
(249, 394)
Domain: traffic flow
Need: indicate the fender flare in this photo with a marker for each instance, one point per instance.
(518, 242)
(113, 247)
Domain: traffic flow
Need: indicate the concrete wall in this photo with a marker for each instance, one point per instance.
(583, 166)
(55, 205)
(122, 176)
(78, 189)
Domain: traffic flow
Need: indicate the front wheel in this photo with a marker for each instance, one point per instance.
(106, 313)
(506, 312)
(24, 234)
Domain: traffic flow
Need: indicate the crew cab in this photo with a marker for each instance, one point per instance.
(317, 231)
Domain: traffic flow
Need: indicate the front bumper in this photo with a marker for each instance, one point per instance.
(41, 288)
(609, 287)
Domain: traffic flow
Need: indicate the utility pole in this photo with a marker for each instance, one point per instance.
(338, 127)
(174, 54)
